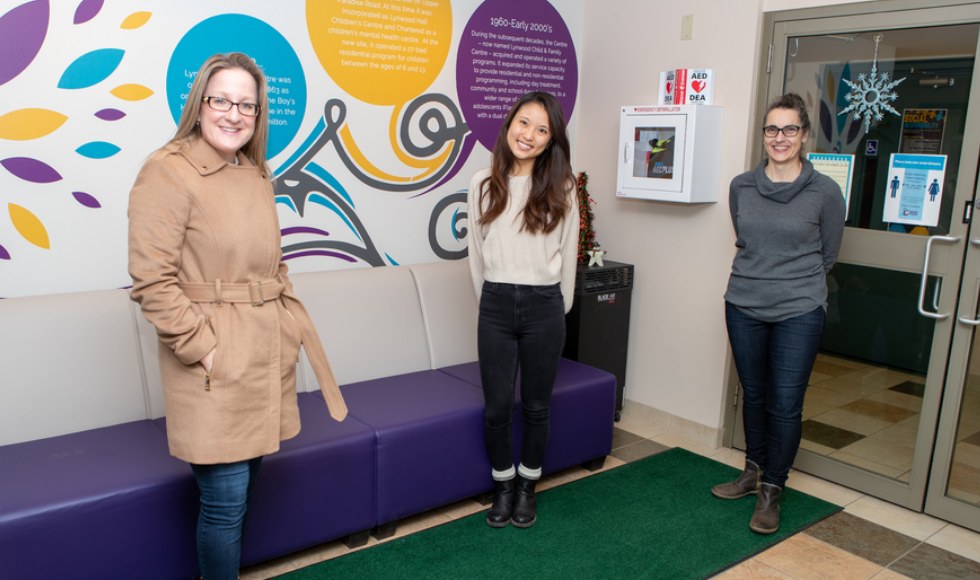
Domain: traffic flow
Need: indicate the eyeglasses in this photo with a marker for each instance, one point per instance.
(788, 130)
(222, 104)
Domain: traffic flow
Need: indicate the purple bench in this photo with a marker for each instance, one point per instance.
(88, 488)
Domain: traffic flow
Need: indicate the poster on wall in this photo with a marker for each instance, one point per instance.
(922, 131)
(914, 189)
(379, 115)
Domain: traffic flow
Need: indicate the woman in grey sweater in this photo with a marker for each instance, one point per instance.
(789, 222)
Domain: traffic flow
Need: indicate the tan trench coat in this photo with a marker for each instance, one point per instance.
(200, 230)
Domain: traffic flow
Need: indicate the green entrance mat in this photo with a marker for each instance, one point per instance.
(654, 518)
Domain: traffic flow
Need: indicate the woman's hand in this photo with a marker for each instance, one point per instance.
(206, 361)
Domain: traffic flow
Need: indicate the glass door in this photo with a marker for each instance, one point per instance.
(876, 393)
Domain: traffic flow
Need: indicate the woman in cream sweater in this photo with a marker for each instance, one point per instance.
(524, 223)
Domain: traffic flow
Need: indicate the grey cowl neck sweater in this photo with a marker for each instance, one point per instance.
(788, 237)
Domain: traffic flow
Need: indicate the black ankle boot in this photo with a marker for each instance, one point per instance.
(525, 509)
(503, 504)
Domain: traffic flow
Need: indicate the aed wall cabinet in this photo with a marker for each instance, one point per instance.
(670, 153)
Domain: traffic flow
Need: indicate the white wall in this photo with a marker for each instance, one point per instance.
(678, 344)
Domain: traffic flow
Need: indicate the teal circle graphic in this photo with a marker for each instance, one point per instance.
(267, 47)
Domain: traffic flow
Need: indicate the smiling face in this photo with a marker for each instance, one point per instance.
(228, 131)
(528, 136)
(782, 149)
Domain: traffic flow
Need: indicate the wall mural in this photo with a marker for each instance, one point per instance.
(380, 111)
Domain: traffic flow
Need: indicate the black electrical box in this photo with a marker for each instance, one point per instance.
(598, 326)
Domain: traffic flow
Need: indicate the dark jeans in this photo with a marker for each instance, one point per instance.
(520, 326)
(226, 491)
(774, 360)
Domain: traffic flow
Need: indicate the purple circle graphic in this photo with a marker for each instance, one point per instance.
(509, 48)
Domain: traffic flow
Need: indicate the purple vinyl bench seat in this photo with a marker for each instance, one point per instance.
(88, 488)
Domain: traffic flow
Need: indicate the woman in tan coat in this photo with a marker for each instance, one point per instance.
(205, 258)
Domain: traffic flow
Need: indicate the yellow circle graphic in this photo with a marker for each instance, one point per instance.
(381, 52)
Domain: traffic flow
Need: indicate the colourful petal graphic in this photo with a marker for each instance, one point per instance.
(86, 199)
(135, 20)
(87, 10)
(97, 150)
(110, 114)
(31, 169)
(29, 226)
(131, 92)
(27, 124)
(22, 32)
(4, 255)
(91, 68)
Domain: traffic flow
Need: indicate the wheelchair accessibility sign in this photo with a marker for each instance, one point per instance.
(871, 148)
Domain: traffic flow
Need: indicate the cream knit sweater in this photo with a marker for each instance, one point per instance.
(500, 252)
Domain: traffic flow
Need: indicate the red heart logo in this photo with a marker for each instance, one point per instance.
(669, 89)
(698, 86)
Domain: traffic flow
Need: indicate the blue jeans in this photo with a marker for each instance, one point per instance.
(773, 360)
(226, 491)
(520, 326)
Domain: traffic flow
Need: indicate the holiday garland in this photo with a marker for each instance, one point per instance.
(586, 235)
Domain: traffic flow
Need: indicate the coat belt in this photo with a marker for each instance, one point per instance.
(254, 293)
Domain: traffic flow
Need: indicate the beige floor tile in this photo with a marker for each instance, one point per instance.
(419, 522)
(908, 402)
(893, 517)
(816, 378)
(965, 477)
(898, 435)
(853, 421)
(890, 575)
(553, 480)
(671, 440)
(463, 508)
(867, 464)
(752, 570)
(321, 553)
(968, 454)
(823, 489)
(816, 447)
(644, 429)
(811, 409)
(732, 457)
(911, 422)
(906, 477)
(805, 558)
(963, 496)
(883, 452)
(843, 362)
(957, 540)
(829, 398)
(269, 569)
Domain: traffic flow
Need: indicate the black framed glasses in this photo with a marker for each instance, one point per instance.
(788, 130)
(222, 104)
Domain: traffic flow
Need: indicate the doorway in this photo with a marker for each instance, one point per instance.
(893, 406)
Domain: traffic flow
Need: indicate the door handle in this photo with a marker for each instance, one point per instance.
(963, 319)
(925, 275)
(626, 150)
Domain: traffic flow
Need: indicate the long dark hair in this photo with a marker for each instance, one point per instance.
(551, 178)
(189, 131)
(792, 102)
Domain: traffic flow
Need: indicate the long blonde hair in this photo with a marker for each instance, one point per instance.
(188, 130)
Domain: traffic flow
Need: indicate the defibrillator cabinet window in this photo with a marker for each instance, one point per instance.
(653, 152)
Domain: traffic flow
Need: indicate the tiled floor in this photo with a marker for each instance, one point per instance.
(869, 539)
(868, 416)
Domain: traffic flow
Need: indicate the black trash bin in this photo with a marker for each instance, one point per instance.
(598, 326)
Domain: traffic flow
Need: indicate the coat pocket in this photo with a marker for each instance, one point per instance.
(214, 360)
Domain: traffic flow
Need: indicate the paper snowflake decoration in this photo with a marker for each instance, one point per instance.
(871, 94)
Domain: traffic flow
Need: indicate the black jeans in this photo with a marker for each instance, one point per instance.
(774, 361)
(520, 326)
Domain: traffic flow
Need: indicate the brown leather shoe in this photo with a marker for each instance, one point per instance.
(746, 484)
(765, 520)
